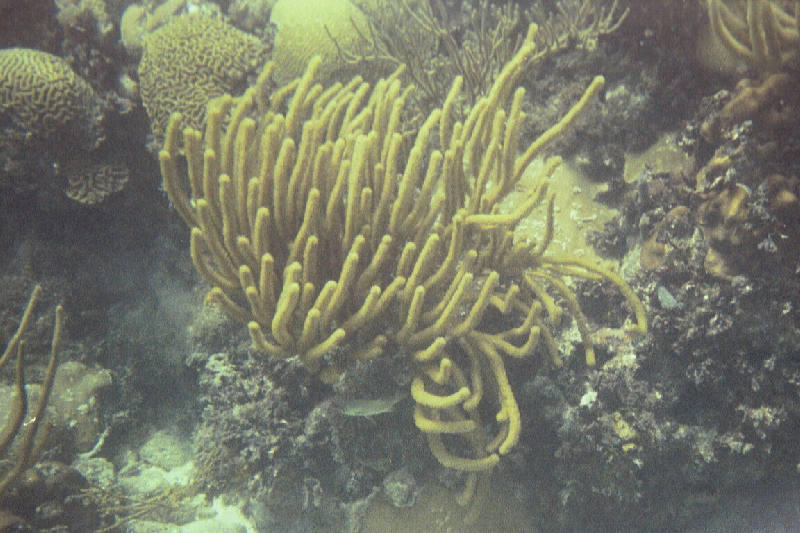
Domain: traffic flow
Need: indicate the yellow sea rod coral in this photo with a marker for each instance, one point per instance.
(329, 233)
(191, 60)
(764, 34)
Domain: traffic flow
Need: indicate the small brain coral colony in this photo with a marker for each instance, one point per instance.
(321, 227)
(42, 96)
(191, 60)
(51, 117)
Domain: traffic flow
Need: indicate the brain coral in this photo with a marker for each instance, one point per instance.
(43, 101)
(191, 60)
(50, 124)
(93, 183)
(315, 27)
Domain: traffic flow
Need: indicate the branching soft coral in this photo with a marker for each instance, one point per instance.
(331, 233)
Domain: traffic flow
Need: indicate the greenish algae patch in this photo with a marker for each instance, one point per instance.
(436, 511)
(576, 214)
(664, 155)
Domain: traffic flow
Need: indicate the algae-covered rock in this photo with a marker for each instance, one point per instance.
(165, 450)
(74, 399)
(72, 415)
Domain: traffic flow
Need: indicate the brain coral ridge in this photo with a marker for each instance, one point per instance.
(44, 100)
(188, 62)
(50, 124)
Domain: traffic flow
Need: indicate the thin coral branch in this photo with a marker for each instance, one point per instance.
(13, 431)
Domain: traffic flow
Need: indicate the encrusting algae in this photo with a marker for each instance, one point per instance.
(331, 234)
